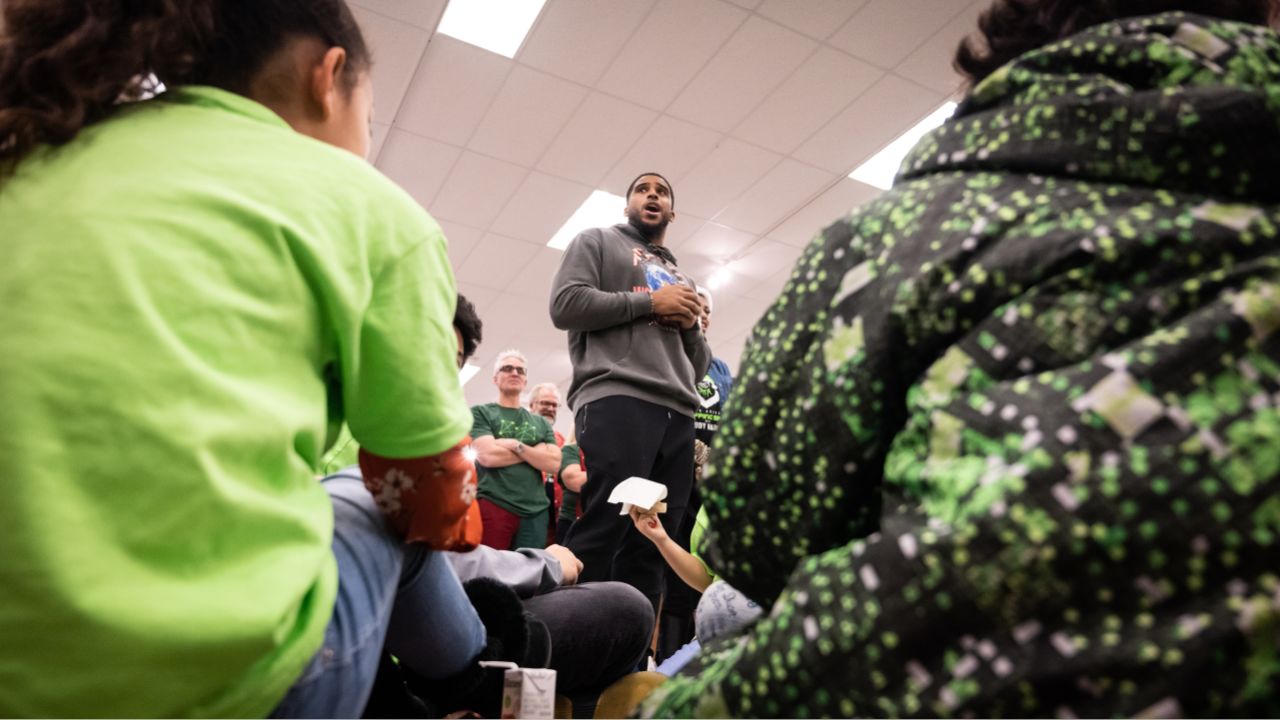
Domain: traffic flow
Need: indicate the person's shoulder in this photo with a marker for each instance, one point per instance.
(604, 237)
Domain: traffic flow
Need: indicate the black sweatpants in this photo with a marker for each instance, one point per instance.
(621, 437)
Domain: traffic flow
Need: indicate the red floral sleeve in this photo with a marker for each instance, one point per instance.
(429, 500)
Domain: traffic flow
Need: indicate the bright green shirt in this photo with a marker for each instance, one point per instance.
(194, 297)
(516, 488)
(700, 523)
(344, 453)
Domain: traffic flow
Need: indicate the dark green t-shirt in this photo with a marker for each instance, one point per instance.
(517, 488)
(569, 500)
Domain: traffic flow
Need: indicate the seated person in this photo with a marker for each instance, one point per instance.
(1006, 445)
(721, 610)
(197, 286)
(598, 631)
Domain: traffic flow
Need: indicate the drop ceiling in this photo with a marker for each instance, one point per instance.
(757, 110)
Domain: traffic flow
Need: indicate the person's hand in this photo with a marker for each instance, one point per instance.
(676, 321)
(677, 305)
(570, 565)
(648, 524)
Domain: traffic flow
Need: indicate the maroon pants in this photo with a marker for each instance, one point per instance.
(500, 525)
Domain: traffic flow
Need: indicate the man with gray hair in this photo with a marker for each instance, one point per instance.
(544, 400)
(513, 448)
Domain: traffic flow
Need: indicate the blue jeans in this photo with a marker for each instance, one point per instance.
(406, 595)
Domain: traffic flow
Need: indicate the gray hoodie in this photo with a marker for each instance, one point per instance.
(601, 296)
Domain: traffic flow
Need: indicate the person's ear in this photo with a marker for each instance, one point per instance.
(326, 79)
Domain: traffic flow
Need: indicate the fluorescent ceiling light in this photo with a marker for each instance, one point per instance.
(467, 372)
(495, 25)
(880, 169)
(719, 278)
(602, 209)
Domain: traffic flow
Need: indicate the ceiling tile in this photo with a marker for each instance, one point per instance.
(725, 174)
(740, 76)
(462, 240)
(495, 261)
(835, 203)
(885, 32)
(815, 18)
(736, 314)
(783, 190)
(483, 298)
(602, 129)
(397, 47)
(419, 165)
(729, 351)
(670, 147)
(577, 39)
(698, 268)
(456, 83)
(681, 229)
(477, 189)
(885, 111)
(522, 325)
(533, 282)
(717, 242)
(421, 13)
(771, 287)
(823, 86)
(378, 136)
(764, 259)
(539, 208)
(668, 49)
(930, 65)
(526, 116)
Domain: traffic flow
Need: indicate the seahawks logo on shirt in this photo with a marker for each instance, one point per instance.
(709, 392)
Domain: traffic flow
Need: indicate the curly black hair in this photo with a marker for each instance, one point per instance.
(468, 323)
(1010, 28)
(64, 64)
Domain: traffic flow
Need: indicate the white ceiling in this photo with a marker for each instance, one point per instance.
(756, 110)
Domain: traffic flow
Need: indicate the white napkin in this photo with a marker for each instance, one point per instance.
(638, 492)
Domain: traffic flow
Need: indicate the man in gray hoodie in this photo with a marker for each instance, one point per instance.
(638, 351)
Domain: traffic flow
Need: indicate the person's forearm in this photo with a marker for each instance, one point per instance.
(698, 350)
(688, 567)
(587, 309)
(492, 454)
(528, 571)
(573, 477)
(545, 457)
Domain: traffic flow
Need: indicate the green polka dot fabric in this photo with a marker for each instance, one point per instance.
(1008, 443)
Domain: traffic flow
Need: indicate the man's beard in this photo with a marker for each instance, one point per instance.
(648, 232)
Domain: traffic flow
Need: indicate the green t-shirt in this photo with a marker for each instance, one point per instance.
(195, 296)
(569, 457)
(516, 488)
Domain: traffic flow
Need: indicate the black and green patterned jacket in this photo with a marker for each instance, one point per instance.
(1009, 441)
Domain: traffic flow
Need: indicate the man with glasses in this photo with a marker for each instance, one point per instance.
(513, 448)
(544, 400)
